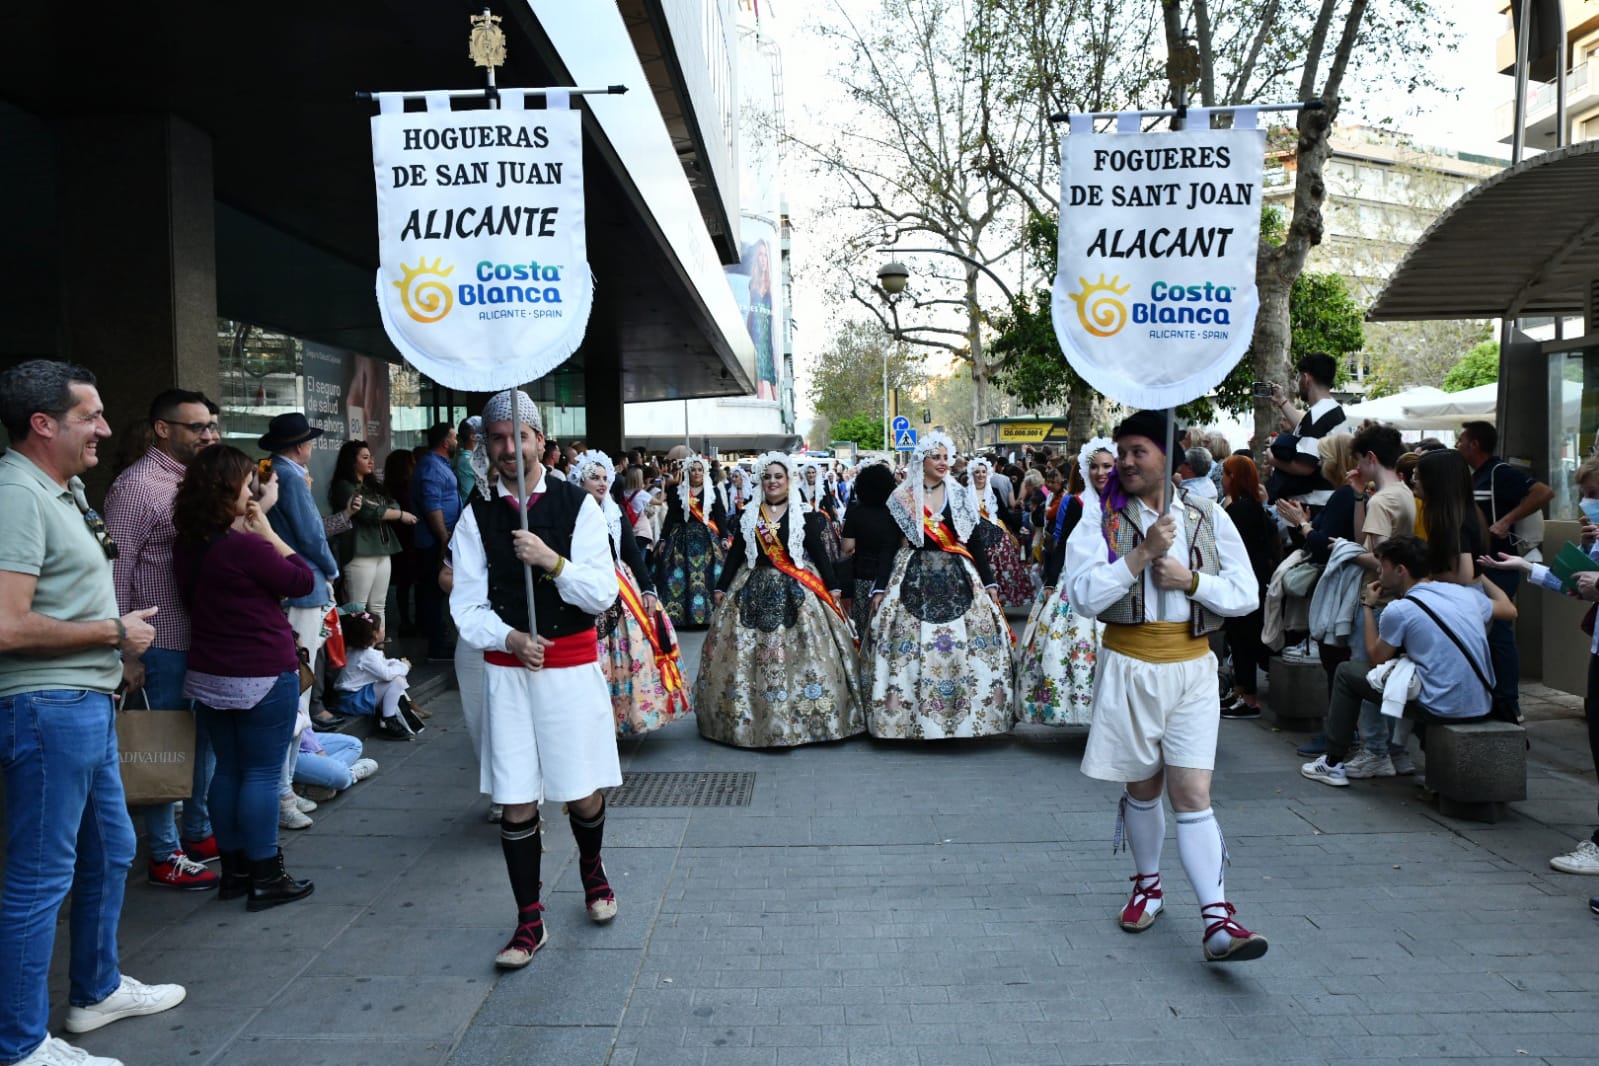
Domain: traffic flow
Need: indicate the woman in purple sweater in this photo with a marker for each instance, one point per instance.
(232, 572)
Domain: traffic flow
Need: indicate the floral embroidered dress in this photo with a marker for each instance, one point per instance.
(691, 553)
(999, 546)
(1055, 671)
(778, 666)
(942, 651)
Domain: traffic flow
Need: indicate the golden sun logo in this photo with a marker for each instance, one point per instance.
(426, 298)
(1097, 307)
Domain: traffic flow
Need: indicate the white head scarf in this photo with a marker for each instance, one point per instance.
(909, 500)
(498, 409)
(986, 498)
(1086, 456)
(705, 485)
(796, 510)
(586, 464)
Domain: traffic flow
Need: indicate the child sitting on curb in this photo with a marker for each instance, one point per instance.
(372, 682)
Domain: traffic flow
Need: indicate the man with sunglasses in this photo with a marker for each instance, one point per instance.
(138, 514)
(61, 651)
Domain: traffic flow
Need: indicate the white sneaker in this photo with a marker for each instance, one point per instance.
(1582, 859)
(1404, 763)
(131, 999)
(55, 1052)
(496, 813)
(1325, 772)
(290, 816)
(361, 769)
(303, 805)
(1368, 765)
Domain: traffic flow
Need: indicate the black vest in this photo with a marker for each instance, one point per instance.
(553, 519)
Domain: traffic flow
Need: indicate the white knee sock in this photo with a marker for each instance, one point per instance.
(390, 692)
(1146, 831)
(1204, 857)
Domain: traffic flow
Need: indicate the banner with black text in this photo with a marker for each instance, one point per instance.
(1154, 299)
(483, 276)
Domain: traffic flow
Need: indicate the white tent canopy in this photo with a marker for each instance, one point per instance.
(1391, 409)
(1453, 409)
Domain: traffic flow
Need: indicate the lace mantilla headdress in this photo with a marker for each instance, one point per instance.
(585, 465)
(987, 497)
(705, 485)
(797, 510)
(908, 502)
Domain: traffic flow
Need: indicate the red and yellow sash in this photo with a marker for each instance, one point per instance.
(665, 661)
(766, 537)
(697, 513)
(946, 541)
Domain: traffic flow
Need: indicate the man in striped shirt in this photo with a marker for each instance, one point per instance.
(138, 514)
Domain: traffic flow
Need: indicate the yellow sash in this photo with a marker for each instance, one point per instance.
(666, 662)
(766, 537)
(1156, 642)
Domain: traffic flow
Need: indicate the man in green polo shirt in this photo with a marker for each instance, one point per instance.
(61, 648)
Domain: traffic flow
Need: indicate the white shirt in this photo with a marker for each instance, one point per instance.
(587, 581)
(1200, 486)
(367, 666)
(1095, 583)
(1309, 446)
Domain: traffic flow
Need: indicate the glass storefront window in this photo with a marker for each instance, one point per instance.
(1573, 422)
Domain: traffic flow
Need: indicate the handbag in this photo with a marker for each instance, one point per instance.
(333, 646)
(155, 749)
(1300, 580)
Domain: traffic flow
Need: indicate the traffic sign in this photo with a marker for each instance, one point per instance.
(904, 440)
(899, 425)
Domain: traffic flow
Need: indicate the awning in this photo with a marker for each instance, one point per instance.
(1525, 242)
(1392, 408)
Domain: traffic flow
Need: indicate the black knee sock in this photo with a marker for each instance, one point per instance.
(523, 852)
(589, 834)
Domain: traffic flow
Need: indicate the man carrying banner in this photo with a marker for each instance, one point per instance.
(548, 732)
(1155, 723)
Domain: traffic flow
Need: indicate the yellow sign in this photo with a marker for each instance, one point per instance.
(1024, 432)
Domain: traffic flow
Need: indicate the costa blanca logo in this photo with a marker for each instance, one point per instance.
(426, 298)
(1098, 309)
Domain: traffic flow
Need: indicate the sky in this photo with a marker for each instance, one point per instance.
(1459, 115)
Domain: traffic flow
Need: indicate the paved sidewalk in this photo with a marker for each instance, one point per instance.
(893, 904)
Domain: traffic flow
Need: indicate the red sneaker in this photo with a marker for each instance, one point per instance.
(1242, 944)
(1136, 916)
(202, 850)
(182, 872)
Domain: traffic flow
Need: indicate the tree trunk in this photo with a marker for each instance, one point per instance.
(1080, 415)
(974, 331)
(1271, 345)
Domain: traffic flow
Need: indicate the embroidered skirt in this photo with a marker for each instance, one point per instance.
(639, 695)
(777, 669)
(1055, 671)
(691, 564)
(941, 659)
(1004, 555)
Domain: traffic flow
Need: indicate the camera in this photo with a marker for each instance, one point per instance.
(1263, 389)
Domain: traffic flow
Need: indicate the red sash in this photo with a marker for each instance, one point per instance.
(632, 515)
(947, 542)
(766, 537)
(666, 662)
(697, 513)
(574, 649)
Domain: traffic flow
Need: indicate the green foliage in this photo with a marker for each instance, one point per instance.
(1480, 366)
(1323, 317)
(848, 377)
(865, 430)
(1403, 355)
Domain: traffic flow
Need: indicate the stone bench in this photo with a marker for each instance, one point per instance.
(1298, 697)
(1476, 768)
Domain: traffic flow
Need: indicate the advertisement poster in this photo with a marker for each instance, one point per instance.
(754, 284)
(1154, 297)
(347, 398)
(483, 278)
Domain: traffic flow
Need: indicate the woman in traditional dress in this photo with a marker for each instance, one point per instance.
(778, 665)
(639, 660)
(869, 535)
(821, 501)
(942, 662)
(734, 490)
(998, 543)
(1055, 679)
(691, 546)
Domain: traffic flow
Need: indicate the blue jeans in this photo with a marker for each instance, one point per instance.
(163, 687)
(250, 746)
(1502, 645)
(67, 829)
(332, 768)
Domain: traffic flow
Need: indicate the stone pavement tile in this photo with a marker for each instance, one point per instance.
(347, 885)
(1012, 1054)
(184, 1034)
(1397, 1046)
(534, 1045)
(1557, 1044)
(631, 827)
(384, 944)
(883, 1056)
(389, 1008)
(564, 986)
(276, 1051)
(218, 977)
(326, 847)
(306, 924)
(954, 1055)
(812, 1056)
(411, 825)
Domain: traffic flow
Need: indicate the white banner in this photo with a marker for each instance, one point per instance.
(1154, 298)
(483, 275)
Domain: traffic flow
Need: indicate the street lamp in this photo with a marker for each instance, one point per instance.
(891, 279)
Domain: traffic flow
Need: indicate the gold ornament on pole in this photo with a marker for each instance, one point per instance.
(487, 43)
(1182, 66)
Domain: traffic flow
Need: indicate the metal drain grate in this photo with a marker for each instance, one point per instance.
(685, 789)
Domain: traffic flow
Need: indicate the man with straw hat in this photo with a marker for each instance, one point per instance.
(1161, 568)
(547, 728)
